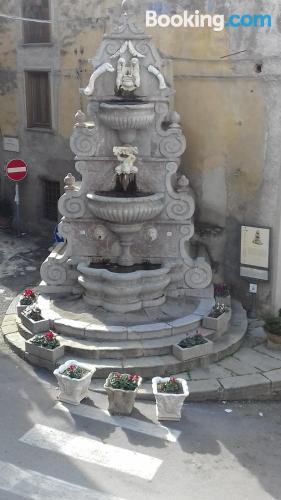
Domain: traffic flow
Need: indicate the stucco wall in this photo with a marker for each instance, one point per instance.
(231, 114)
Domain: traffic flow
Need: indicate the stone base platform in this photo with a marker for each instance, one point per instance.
(144, 347)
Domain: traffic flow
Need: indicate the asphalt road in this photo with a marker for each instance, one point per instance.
(217, 454)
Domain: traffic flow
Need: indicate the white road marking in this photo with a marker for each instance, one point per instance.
(35, 486)
(154, 430)
(89, 450)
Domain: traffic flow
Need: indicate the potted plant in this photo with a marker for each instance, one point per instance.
(6, 213)
(218, 319)
(222, 293)
(273, 330)
(74, 380)
(193, 346)
(170, 394)
(27, 298)
(121, 389)
(45, 346)
(32, 319)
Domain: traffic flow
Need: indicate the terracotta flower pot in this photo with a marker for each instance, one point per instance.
(273, 341)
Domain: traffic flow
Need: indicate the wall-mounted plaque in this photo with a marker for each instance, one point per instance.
(11, 144)
(255, 248)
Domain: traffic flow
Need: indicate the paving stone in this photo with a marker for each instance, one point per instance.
(9, 328)
(9, 318)
(246, 387)
(255, 337)
(70, 327)
(183, 325)
(149, 331)
(213, 371)
(238, 367)
(97, 332)
(257, 359)
(275, 377)
(205, 390)
(269, 352)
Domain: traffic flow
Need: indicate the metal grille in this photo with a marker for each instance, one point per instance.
(51, 196)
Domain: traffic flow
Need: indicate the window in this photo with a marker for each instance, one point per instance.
(51, 197)
(34, 32)
(38, 101)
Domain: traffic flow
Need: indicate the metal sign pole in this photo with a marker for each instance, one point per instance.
(17, 202)
(253, 289)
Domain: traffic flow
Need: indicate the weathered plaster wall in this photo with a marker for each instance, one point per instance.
(230, 113)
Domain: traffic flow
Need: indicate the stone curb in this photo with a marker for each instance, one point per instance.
(256, 387)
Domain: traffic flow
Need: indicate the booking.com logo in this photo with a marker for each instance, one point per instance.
(217, 22)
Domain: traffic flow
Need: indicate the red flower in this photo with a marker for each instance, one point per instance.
(28, 292)
(49, 335)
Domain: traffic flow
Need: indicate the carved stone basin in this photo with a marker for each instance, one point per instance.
(127, 117)
(124, 292)
(131, 210)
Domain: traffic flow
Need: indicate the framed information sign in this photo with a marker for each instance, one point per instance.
(255, 250)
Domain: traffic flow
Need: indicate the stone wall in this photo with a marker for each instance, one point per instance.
(230, 109)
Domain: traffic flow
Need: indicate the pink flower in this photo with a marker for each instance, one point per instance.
(72, 368)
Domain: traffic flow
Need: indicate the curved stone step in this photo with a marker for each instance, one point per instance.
(146, 366)
(96, 331)
(121, 349)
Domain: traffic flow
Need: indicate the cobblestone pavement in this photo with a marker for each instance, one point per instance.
(20, 260)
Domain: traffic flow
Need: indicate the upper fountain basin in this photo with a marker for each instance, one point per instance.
(126, 115)
(126, 210)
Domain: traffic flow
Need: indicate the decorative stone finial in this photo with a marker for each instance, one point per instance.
(182, 184)
(175, 119)
(128, 6)
(69, 182)
(81, 118)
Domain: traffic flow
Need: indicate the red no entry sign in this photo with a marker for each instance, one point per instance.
(16, 170)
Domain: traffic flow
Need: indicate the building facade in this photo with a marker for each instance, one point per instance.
(228, 93)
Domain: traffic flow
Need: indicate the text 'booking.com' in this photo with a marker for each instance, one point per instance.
(217, 22)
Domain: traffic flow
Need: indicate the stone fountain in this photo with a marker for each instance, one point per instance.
(123, 287)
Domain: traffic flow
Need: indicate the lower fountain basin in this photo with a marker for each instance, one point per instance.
(129, 210)
(124, 291)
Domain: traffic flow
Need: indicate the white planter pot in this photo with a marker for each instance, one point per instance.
(35, 326)
(169, 406)
(73, 390)
(121, 402)
(42, 352)
(220, 324)
(20, 309)
(184, 354)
